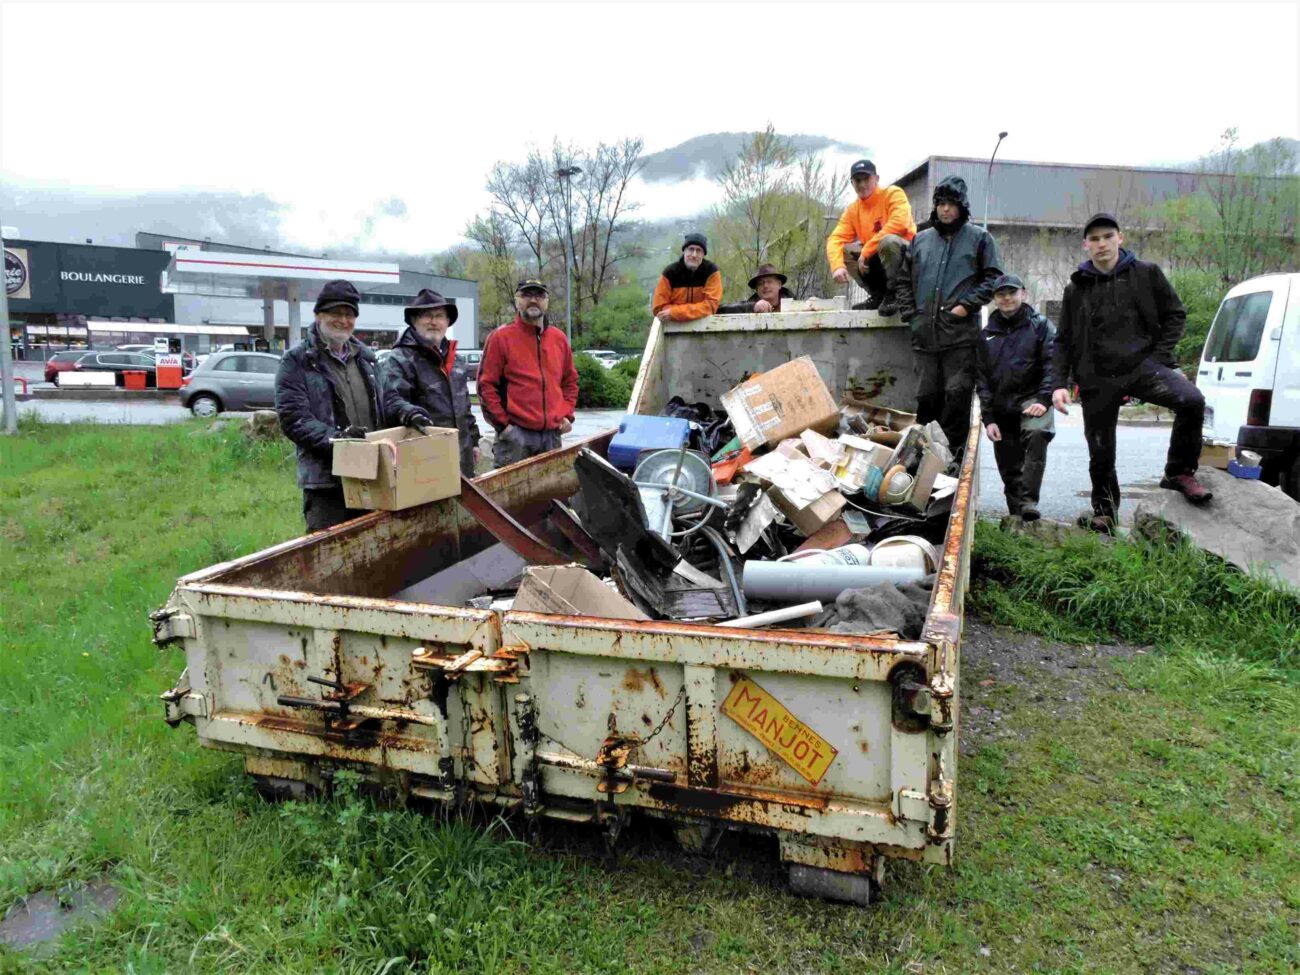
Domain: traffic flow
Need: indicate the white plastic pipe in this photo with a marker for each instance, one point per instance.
(775, 616)
(783, 581)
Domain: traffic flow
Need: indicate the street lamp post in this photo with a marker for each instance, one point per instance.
(565, 175)
(988, 179)
(6, 362)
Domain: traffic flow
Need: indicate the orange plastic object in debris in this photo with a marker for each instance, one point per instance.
(725, 470)
(134, 379)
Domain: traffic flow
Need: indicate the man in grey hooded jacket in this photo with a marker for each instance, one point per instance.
(953, 266)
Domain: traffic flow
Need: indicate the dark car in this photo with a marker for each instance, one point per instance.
(61, 362)
(119, 362)
(231, 381)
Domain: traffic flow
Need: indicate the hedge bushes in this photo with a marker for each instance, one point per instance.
(599, 387)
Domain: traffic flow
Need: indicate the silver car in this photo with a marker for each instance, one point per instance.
(231, 381)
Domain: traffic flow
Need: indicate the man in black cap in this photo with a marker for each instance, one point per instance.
(423, 385)
(768, 285)
(1120, 321)
(953, 266)
(690, 287)
(327, 387)
(1013, 377)
(869, 244)
(527, 382)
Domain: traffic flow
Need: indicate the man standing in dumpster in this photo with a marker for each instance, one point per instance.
(423, 384)
(768, 285)
(327, 387)
(690, 287)
(1120, 321)
(527, 382)
(869, 243)
(953, 266)
(1013, 377)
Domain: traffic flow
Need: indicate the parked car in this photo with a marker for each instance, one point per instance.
(1250, 375)
(61, 362)
(119, 362)
(470, 358)
(146, 349)
(231, 381)
(606, 357)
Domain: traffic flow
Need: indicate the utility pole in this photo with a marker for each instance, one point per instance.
(565, 176)
(7, 361)
(988, 179)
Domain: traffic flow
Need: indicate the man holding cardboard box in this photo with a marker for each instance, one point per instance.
(327, 387)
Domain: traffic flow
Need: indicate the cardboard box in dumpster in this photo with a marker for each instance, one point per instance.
(804, 493)
(931, 466)
(782, 402)
(570, 590)
(398, 468)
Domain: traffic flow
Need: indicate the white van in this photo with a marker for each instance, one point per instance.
(1250, 374)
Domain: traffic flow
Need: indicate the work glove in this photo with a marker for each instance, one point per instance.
(355, 432)
(421, 422)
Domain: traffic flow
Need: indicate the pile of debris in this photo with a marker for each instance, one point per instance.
(783, 507)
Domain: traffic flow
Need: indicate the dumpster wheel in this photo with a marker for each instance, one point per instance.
(862, 889)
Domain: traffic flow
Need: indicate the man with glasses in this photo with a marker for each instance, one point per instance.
(327, 387)
(527, 382)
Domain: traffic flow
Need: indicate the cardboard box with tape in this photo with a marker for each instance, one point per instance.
(398, 468)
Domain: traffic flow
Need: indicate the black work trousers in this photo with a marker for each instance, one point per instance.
(324, 508)
(1151, 383)
(945, 382)
(514, 444)
(1021, 455)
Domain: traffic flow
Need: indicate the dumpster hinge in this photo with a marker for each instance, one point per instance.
(171, 624)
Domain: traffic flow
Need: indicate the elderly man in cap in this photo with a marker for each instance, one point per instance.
(527, 382)
(327, 387)
(953, 266)
(1120, 321)
(423, 385)
(869, 244)
(1013, 377)
(768, 286)
(690, 287)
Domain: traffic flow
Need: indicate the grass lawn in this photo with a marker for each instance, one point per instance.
(1141, 817)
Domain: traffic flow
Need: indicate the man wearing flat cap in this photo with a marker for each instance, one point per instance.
(527, 382)
(768, 286)
(869, 244)
(423, 385)
(327, 387)
(690, 287)
(1013, 377)
(1120, 321)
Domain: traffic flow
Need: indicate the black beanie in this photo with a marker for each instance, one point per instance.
(338, 292)
(698, 239)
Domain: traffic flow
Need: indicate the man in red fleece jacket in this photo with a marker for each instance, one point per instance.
(527, 382)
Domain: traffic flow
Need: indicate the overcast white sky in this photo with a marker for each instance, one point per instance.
(332, 108)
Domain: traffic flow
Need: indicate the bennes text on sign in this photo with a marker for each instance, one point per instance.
(766, 718)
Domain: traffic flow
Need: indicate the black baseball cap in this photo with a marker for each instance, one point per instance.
(532, 283)
(1100, 220)
(863, 167)
(1007, 281)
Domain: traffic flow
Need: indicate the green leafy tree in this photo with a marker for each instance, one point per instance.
(621, 321)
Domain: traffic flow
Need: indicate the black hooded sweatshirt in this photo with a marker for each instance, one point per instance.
(1111, 323)
(1013, 362)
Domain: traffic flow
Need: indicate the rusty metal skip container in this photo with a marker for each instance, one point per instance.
(843, 746)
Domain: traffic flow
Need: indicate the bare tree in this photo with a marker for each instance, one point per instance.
(521, 195)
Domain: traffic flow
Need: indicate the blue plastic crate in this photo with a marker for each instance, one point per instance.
(638, 433)
(1236, 469)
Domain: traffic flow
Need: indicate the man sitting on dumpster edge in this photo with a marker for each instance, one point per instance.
(327, 387)
(423, 385)
(953, 266)
(768, 285)
(869, 243)
(1120, 321)
(527, 382)
(1013, 377)
(690, 287)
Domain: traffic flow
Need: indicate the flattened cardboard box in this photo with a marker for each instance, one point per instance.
(780, 403)
(570, 590)
(398, 468)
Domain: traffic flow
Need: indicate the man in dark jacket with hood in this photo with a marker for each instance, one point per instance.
(953, 266)
(327, 387)
(690, 288)
(1120, 321)
(1013, 377)
(768, 285)
(423, 385)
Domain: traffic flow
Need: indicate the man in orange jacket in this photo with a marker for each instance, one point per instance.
(690, 287)
(869, 243)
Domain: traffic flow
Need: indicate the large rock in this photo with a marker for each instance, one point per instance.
(263, 425)
(1251, 525)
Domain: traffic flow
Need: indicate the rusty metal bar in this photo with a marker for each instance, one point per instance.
(503, 526)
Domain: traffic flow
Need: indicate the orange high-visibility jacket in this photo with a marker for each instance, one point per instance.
(884, 212)
(689, 294)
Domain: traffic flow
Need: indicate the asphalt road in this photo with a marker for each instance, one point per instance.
(1065, 488)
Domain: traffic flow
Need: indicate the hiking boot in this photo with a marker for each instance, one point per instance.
(1189, 487)
(889, 309)
(1102, 524)
(871, 304)
(1029, 513)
